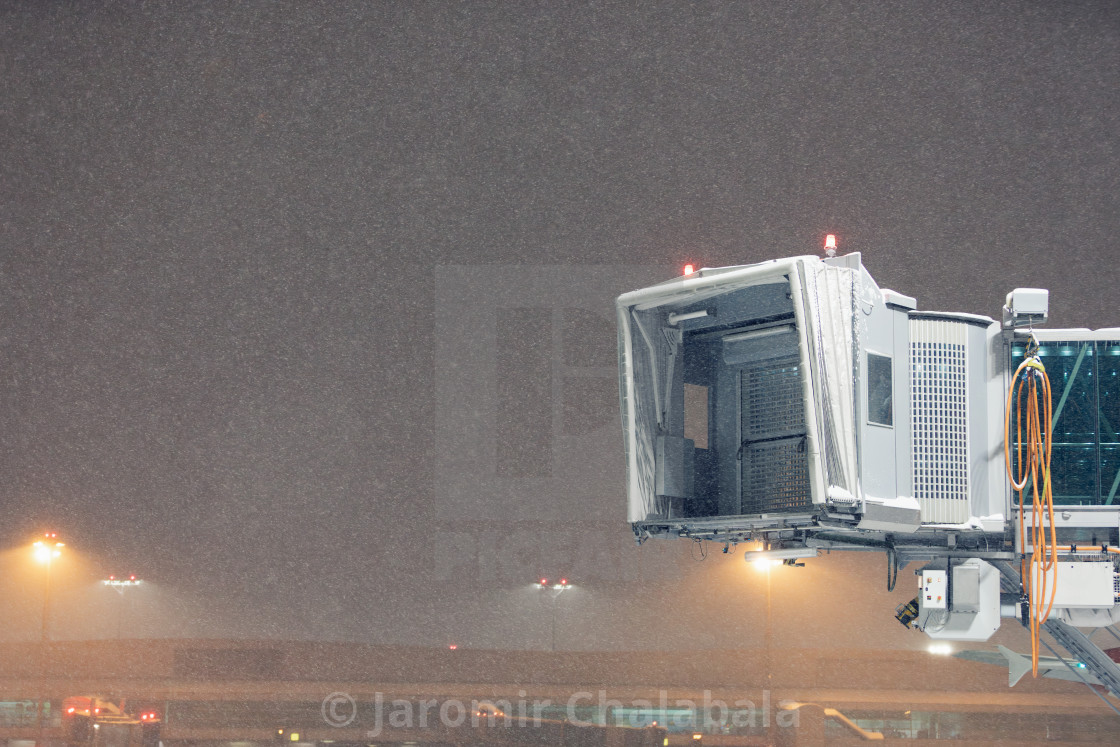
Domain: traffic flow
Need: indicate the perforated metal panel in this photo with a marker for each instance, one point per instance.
(774, 469)
(939, 419)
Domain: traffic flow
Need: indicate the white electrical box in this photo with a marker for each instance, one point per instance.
(934, 590)
(972, 614)
(1025, 307)
(1033, 301)
(1085, 585)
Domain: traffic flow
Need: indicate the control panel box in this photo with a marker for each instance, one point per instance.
(935, 590)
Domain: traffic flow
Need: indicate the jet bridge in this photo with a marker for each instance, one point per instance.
(798, 394)
(797, 405)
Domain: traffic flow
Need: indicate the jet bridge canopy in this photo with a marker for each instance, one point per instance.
(764, 353)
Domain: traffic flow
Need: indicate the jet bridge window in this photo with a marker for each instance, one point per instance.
(1085, 397)
(880, 408)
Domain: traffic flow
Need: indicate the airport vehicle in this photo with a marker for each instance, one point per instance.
(797, 405)
(98, 722)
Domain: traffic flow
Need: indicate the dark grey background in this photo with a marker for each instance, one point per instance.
(221, 230)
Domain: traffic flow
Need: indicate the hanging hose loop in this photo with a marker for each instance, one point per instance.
(1030, 389)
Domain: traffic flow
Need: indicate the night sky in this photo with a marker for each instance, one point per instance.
(276, 283)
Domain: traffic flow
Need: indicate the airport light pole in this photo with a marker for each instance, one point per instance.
(767, 565)
(768, 562)
(120, 585)
(557, 588)
(45, 551)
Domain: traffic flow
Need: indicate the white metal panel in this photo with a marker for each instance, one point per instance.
(1085, 585)
(939, 419)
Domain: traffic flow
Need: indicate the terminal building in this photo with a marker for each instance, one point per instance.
(236, 693)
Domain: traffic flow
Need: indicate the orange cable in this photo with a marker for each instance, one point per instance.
(1042, 575)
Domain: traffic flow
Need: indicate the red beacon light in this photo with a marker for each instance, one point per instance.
(689, 269)
(830, 245)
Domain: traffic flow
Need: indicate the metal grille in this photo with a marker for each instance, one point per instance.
(771, 397)
(774, 469)
(939, 419)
